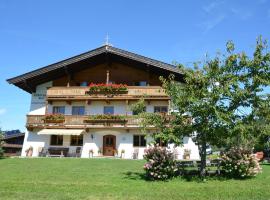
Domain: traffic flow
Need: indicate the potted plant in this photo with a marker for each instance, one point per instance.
(91, 153)
(106, 89)
(99, 151)
(115, 152)
(122, 153)
(106, 118)
(187, 153)
(54, 118)
(29, 151)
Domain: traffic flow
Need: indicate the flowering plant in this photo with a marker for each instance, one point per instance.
(160, 163)
(54, 117)
(103, 88)
(106, 117)
(240, 163)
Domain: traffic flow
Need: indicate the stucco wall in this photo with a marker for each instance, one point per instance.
(124, 141)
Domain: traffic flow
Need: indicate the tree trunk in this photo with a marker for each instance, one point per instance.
(202, 150)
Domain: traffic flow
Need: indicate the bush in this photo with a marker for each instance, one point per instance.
(160, 163)
(1, 152)
(240, 163)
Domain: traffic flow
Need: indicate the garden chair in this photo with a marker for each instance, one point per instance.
(176, 154)
(135, 153)
(78, 152)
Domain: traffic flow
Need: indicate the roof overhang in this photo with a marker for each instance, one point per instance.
(61, 132)
(30, 80)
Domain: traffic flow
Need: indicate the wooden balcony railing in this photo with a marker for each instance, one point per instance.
(74, 120)
(81, 93)
(83, 122)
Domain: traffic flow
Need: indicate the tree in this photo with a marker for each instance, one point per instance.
(1, 142)
(224, 99)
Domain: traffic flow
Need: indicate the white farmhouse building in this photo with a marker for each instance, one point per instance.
(69, 116)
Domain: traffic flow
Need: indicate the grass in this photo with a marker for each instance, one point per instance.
(54, 178)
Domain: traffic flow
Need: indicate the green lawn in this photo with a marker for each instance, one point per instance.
(56, 178)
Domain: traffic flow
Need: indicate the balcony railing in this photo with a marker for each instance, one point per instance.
(74, 120)
(83, 122)
(82, 93)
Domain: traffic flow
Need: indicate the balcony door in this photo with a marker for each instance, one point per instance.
(109, 145)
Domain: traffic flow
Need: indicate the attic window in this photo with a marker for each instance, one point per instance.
(141, 83)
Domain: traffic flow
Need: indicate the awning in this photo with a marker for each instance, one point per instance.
(61, 132)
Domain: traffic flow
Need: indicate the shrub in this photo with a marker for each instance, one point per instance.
(240, 163)
(106, 117)
(1, 152)
(160, 163)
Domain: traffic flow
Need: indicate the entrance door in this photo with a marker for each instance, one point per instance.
(109, 145)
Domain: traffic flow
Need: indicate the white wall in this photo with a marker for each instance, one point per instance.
(38, 99)
(96, 107)
(124, 141)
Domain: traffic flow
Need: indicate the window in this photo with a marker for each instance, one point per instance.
(139, 141)
(161, 109)
(78, 110)
(108, 110)
(141, 83)
(83, 84)
(76, 140)
(161, 143)
(57, 140)
(59, 110)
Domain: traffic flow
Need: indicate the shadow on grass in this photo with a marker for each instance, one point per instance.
(188, 175)
(135, 176)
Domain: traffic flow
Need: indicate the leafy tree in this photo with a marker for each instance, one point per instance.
(138, 107)
(224, 99)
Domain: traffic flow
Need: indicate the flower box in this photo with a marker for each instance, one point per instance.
(107, 119)
(107, 89)
(54, 118)
(54, 121)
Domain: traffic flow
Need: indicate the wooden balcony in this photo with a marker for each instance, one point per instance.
(81, 93)
(74, 121)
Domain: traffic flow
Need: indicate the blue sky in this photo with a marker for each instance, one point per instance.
(37, 33)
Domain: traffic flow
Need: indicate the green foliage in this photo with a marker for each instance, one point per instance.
(240, 163)
(163, 131)
(54, 117)
(1, 143)
(138, 107)
(107, 117)
(160, 163)
(224, 98)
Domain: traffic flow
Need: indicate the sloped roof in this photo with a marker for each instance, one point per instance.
(29, 80)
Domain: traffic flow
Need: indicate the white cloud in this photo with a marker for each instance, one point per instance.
(212, 23)
(242, 13)
(2, 111)
(208, 8)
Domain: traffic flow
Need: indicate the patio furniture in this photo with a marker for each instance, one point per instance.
(58, 152)
(41, 152)
(176, 154)
(78, 152)
(135, 153)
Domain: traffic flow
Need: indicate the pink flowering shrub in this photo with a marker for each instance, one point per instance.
(240, 163)
(160, 163)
